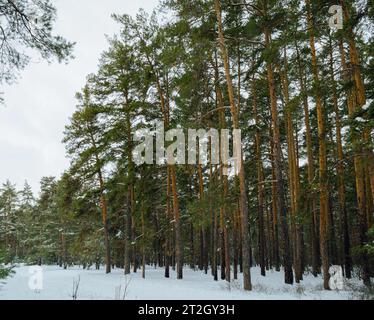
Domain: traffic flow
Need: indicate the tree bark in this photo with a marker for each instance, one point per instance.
(278, 171)
(293, 176)
(235, 120)
(260, 183)
(323, 185)
(345, 248)
(311, 175)
(355, 100)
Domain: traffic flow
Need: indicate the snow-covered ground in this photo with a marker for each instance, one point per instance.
(95, 284)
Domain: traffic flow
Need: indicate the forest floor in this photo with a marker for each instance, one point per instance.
(95, 284)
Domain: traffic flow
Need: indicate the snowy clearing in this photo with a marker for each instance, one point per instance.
(95, 284)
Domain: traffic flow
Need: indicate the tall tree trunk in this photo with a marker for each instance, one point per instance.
(127, 261)
(311, 176)
(345, 248)
(103, 205)
(224, 243)
(133, 232)
(235, 244)
(213, 218)
(106, 233)
(359, 157)
(165, 109)
(204, 248)
(192, 248)
(278, 171)
(369, 177)
(323, 184)
(293, 175)
(274, 208)
(129, 198)
(168, 233)
(143, 237)
(178, 238)
(235, 120)
(260, 183)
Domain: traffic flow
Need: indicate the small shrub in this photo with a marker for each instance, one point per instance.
(5, 272)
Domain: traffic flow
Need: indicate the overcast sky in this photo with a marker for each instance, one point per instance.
(38, 106)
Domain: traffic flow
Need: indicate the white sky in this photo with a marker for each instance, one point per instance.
(38, 106)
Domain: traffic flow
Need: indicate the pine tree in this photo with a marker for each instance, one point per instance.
(28, 24)
(86, 142)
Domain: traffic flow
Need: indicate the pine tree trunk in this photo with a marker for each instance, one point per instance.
(323, 185)
(235, 119)
(274, 209)
(359, 157)
(293, 176)
(204, 248)
(168, 233)
(235, 245)
(133, 232)
(278, 171)
(359, 174)
(222, 219)
(224, 247)
(106, 234)
(127, 261)
(165, 109)
(214, 222)
(345, 250)
(104, 208)
(192, 249)
(260, 183)
(369, 177)
(178, 239)
(143, 237)
(311, 176)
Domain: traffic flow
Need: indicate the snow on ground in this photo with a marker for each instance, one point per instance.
(95, 284)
